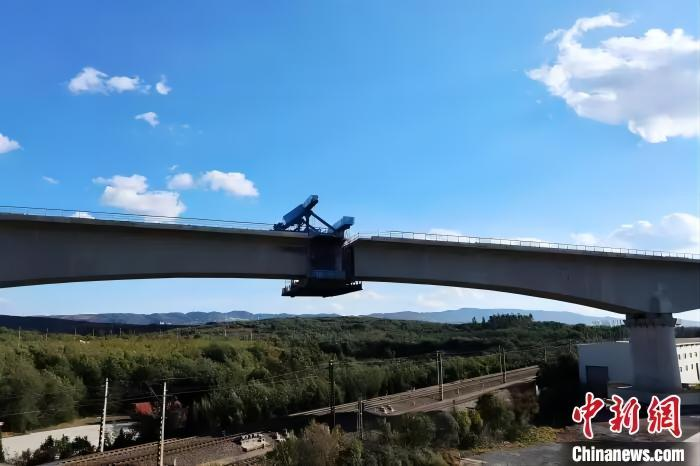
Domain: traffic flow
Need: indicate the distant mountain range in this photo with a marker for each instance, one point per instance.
(456, 316)
(180, 318)
(466, 315)
(56, 324)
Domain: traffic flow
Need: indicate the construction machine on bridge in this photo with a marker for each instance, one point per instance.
(328, 271)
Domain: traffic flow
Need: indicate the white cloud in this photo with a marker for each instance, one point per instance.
(162, 88)
(80, 214)
(88, 80)
(149, 117)
(233, 183)
(7, 144)
(442, 297)
(449, 232)
(181, 181)
(444, 232)
(649, 83)
(530, 239)
(367, 294)
(131, 194)
(586, 239)
(50, 180)
(172, 168)
(678, 232)
(123, 83)
(92, 81)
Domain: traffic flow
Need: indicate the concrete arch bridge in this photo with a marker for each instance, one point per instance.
(645, 286)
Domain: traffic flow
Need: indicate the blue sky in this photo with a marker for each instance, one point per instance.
(408, 115)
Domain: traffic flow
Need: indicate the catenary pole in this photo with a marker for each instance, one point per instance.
(161, 443)
(331, 381)
(103, 421)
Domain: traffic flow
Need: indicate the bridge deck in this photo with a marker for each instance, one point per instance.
(37, 249)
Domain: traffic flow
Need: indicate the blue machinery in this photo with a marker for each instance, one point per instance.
(328, 272)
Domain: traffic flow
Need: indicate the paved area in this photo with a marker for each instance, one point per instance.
(558, 453)
(16, 444)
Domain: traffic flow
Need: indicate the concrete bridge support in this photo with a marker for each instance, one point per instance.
(654, 356)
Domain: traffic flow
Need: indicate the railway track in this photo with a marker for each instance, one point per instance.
(85, 459)
(460, 388)
(481, 382)
(147, 454)
(181, 447)
(248, 461)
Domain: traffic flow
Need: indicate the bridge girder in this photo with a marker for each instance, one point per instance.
(38, 250)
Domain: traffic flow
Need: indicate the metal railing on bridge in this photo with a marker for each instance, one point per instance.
(463, 239)
(138, 218)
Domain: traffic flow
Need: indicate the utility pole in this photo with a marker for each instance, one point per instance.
(103, 422)
(505, 368)
(360, 425)
(331, 380)
(19, 337)
(571, 348)
(161, 443)
(441, 388)
(545, 354)
(2, 452)
(500, 361)
(47, 335)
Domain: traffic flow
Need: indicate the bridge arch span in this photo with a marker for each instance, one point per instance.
(37, 250)
(626, 284)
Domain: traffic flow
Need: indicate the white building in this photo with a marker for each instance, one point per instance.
(611, 362)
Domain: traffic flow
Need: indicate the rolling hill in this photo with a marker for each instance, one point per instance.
(455, 316)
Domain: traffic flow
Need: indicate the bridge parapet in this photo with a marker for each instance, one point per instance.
(131, 218)
(476, 240)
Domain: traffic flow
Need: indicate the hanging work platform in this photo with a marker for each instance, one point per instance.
(328, 267)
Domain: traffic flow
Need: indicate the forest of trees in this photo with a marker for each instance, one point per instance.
(419, 439)
(242, 373)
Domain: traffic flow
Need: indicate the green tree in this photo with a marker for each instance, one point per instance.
(496, 413)
(320, 446)
(286, 453)
(351, 454)
(416, 430)
(470, 426)
(21, 389)
(446, 430)
(559, 391)
(525, 407)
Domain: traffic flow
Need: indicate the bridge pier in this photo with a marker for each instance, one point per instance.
(653, 349)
